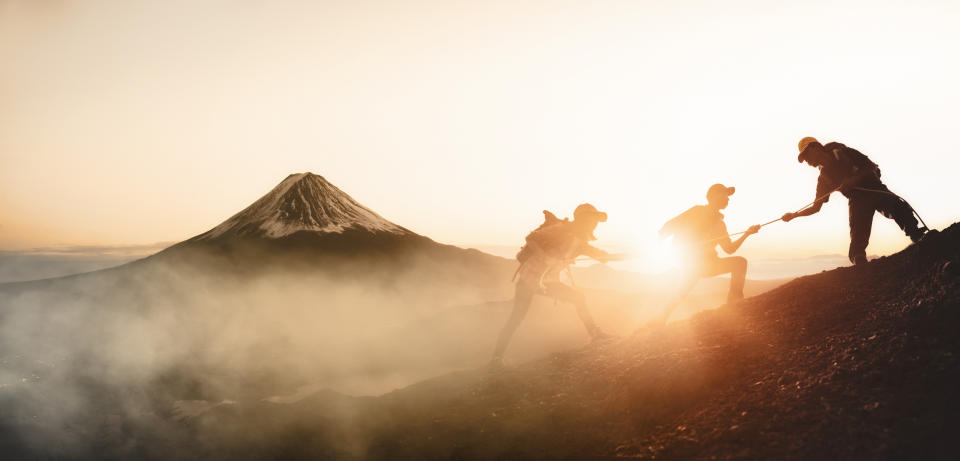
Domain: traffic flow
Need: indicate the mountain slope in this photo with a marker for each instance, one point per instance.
(308, 225)
(295, 289)
(303, 202)
(307, 228)
(854, 363)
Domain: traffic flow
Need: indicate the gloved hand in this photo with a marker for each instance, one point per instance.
(787, 217)
(753, 229)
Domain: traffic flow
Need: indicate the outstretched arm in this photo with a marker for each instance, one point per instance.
(815, 208)
(595, 253)
(825, 187)
(731, 247)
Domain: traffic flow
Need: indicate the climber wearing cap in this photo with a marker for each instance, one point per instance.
(857, 178)
(697, 232)
(549, 250)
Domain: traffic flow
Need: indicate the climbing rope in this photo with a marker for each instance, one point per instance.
(580, 259)
(897, 196)
(781, 217)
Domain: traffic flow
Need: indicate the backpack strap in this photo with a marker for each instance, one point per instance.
(855, 158)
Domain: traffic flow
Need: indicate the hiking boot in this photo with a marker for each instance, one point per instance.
(859, 260)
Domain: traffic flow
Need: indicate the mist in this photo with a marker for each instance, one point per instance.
(129, 358)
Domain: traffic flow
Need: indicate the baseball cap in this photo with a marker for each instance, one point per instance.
(802, 145)
(585, 210)
(720, 189)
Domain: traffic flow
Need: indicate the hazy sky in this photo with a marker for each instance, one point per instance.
(125, 122)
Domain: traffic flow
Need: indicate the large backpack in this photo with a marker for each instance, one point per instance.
(683, 226)
(542, 236)
(854, 157)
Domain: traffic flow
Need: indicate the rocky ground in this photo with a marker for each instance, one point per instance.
(854, 363)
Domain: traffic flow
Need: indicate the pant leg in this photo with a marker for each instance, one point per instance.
(736, 266)
(861, 208)
(894, 207)
(738, 277)
(574, 296)
(522, 298)
(686, 286)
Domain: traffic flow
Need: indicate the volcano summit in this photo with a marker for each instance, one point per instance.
(305, 222)
(303, 202)
(307, 227)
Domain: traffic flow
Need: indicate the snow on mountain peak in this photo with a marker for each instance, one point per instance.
(303, 202)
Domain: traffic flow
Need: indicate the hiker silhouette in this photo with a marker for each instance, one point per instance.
(697, 232)
(856, 177)
(549, 250)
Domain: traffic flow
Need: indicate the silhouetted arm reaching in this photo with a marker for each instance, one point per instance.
(595, 253)
(813, 209)
(731, 247)
(825, 187)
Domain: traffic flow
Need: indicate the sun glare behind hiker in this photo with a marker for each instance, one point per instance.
(697, 233)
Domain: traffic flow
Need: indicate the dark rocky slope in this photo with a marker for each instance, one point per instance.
(854, 363)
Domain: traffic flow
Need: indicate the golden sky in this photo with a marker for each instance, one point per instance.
(128, 122)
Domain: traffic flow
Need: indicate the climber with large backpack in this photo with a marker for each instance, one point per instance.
(548, 251)
(856, 177)
(696, 234)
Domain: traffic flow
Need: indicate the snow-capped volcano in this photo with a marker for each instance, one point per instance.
(302, 202)
(307, 225)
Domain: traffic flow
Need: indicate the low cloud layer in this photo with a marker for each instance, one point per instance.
(57, 261)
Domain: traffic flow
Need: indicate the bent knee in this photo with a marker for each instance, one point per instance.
(740, 263)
